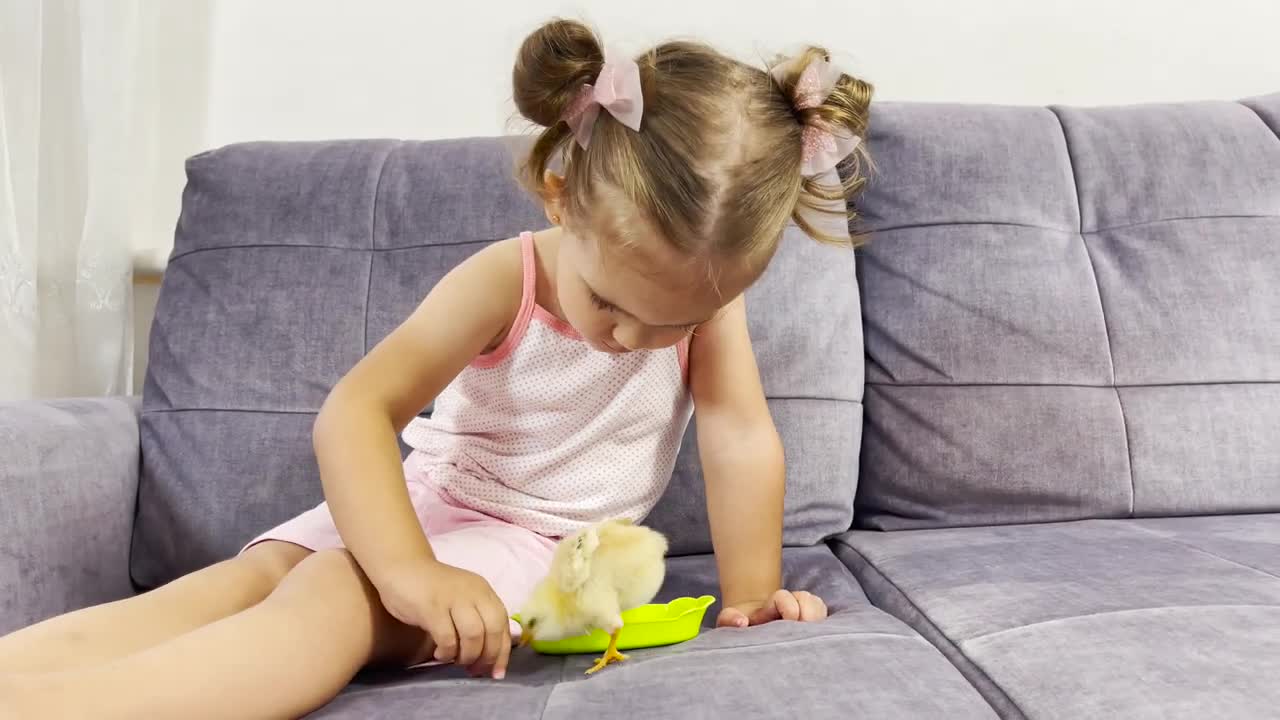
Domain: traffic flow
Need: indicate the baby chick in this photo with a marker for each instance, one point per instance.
(596, 573)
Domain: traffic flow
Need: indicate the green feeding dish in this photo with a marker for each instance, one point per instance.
(642, 627)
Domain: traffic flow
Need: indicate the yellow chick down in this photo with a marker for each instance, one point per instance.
(595, 575)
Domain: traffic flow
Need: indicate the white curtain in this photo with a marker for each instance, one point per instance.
(79, 118)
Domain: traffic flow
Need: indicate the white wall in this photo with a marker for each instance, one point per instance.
(407, 68)
(314, 69)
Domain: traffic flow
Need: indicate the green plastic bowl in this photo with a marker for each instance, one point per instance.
(642, 627)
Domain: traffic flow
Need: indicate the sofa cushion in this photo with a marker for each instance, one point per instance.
(860, 660)
(291, 260)
(1071, 313)
(1171, 618)
(68, 483)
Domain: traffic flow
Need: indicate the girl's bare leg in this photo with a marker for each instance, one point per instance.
(113, 630)
(283, 657)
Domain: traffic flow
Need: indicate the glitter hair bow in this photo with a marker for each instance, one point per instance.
(616, 89)
(823, 146)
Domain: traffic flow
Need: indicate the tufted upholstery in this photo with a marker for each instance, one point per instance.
(293, 259)
(1071, 313)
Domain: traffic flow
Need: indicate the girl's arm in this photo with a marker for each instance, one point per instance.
(742, 464)
(355, 441)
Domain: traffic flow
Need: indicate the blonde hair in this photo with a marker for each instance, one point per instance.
(716, 162)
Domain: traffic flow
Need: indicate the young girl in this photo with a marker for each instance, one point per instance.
(564, 365)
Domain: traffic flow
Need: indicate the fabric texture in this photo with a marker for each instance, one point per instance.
(550, 434)
(1071, 313)
(860, 658)
(68, 483)
(286, 269)
(291, 260)
(1162, 618)
(510, 557)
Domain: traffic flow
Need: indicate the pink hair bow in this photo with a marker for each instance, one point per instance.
(617, 89)
(822, 147)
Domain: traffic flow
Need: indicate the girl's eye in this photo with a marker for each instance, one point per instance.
(604, 305)
(601, 304)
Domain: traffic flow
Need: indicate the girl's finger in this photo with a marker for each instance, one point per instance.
(439, 625)
(496, 636)
(787, 605)
(470, 628)
(504, 654)
(731, 617)
(812, 608)
(766, 614)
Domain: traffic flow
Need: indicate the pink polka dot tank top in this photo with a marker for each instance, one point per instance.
(549, 434)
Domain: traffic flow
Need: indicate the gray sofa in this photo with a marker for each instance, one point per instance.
(1045, 398)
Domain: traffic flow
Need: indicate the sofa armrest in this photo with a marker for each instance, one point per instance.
(68, 486)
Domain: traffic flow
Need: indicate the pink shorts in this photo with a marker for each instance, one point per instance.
(512, 558)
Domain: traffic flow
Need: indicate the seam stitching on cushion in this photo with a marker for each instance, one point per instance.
(317, 246)
(354, 690)
(368, 296)
(1274, 131)
(1201, 550)
(1104, 613)
(1140, 223)
(925, 618)
(1102, 307)
(137, 503)
(546, 702)
(913, 638)
(946, 223)
(373, 242)
(878, 383)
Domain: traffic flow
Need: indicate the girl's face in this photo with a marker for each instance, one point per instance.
(640, 295)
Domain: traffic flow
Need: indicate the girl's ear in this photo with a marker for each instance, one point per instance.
(553, 188)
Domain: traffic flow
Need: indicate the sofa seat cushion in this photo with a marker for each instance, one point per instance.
(1168, 618)
(860, 658)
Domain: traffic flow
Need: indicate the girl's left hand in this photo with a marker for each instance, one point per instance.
(783, 605)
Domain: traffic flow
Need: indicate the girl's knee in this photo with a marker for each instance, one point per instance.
(332, 577)
(268, 563)
(328, 592)
(339, 564)
(329, 587)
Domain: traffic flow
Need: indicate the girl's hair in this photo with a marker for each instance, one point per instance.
(716, 162)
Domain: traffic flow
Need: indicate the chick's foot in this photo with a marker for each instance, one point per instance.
(610, 656)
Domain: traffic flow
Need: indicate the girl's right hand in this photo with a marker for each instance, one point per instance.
(458, 609)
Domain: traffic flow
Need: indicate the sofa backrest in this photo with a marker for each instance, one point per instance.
(291, 260)
(1071, 313)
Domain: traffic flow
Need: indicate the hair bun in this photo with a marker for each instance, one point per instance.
(553, 63)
